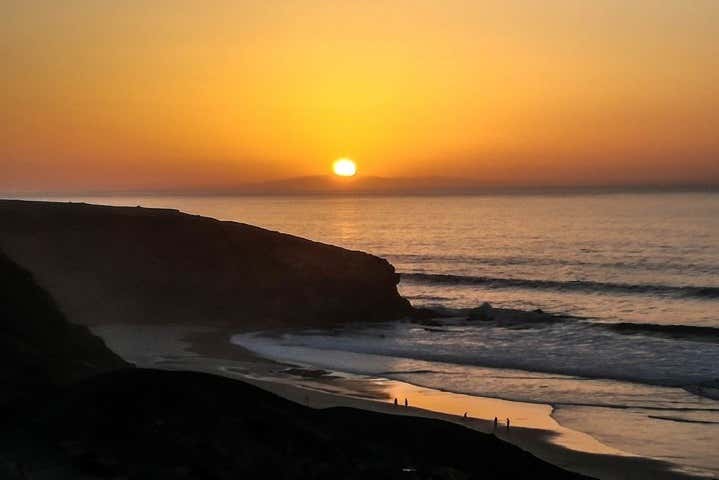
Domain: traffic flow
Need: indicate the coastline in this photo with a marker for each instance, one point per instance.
(534, 429)
(93, 270)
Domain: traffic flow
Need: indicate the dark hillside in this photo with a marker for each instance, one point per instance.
(39, 349)
(146, 424)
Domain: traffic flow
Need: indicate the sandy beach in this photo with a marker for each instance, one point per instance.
(182, 347)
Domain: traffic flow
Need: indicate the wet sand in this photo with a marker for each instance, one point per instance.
(532, 426)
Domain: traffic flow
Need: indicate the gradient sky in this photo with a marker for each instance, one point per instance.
(110, 94)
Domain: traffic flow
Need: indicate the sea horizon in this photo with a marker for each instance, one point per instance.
(483, 190)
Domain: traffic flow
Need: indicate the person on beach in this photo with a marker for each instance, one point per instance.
(507, 423)
(406, 404)
(495, 424)
(465, 415)
(395, 401)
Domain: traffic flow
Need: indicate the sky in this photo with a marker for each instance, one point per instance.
(130, 94)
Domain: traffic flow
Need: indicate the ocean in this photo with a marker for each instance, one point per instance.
(634, 359)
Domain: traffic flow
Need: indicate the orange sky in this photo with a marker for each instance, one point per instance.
(99, 94)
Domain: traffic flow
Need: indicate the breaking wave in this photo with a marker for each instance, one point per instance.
(688, 291)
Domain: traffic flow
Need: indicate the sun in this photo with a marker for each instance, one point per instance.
(344, 167)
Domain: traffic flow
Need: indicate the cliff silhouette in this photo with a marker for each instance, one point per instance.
(138, 265)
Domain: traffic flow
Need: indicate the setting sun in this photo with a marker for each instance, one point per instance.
(344, 167)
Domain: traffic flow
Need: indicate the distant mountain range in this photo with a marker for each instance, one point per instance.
(372, 185)
(330, 184)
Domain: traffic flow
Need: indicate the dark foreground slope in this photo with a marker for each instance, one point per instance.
(159, 424)
(123, 264)
(62, 418)
(39, 349)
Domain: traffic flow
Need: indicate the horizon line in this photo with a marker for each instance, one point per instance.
(421, 191)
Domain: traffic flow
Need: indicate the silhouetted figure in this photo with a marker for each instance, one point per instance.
(395, 401)
(507, 423)
(405, 403)
(465, 415)
(495, 424)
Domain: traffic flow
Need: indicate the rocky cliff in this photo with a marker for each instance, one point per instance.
(124, 264)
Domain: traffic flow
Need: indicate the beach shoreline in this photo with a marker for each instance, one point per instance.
(533, 428)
